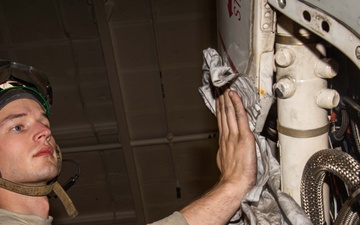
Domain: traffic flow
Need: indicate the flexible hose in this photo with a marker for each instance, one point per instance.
(356, 108)
(336, 162)
(356, 134)
(344, 124)
(348, 214)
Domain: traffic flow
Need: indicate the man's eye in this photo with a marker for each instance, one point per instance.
(17, 128)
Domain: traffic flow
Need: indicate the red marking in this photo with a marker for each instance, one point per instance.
(229, 6)
(237, 10)
(333, 117)
(234, 9)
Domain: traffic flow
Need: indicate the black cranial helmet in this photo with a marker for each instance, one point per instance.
(21, 81)
(15, 76)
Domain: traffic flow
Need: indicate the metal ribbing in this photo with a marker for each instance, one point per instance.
(336, 162)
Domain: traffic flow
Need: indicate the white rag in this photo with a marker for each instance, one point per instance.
(265, 203)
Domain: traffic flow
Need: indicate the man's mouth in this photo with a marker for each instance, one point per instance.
(45, 151)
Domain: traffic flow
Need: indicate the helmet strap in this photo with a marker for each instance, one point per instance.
(42, 191)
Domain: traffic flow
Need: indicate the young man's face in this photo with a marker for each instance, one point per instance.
(27, 148)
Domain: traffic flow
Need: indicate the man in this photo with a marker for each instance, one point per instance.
(30, 160)
(29, 157)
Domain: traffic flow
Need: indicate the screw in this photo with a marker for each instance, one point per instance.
(282, 3)
(357, 52)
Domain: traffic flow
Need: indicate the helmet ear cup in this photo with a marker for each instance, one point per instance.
(59, 158)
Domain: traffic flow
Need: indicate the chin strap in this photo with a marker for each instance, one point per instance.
(26, 190)
(42, 191)
(65, 199)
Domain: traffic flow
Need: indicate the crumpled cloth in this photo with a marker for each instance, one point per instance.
(265, 203)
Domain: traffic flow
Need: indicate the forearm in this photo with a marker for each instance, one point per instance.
(215, 207)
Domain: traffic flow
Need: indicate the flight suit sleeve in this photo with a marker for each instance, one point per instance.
(174, 219)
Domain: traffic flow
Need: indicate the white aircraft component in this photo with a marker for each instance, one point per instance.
(332, 26)
(254, 43)
(246, 41)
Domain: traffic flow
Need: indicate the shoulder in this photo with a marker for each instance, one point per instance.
(12, 218)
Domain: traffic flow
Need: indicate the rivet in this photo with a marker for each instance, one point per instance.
(357, 52)
(282, 3)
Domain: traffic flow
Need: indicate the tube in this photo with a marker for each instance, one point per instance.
(336, 162)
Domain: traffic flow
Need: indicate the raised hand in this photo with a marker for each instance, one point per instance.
(236, 157)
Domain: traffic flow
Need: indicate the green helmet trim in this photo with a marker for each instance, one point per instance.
(38, 94)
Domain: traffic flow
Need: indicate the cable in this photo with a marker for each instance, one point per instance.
(72, 180)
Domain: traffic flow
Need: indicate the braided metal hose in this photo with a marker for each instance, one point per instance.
(356, 134)
(348, 214)
(336, 162)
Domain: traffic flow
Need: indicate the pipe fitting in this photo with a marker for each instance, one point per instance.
(326, 68)
(285, 87)
(284, 57)
(327, 98)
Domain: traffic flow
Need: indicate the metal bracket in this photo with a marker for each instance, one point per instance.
(322, 25)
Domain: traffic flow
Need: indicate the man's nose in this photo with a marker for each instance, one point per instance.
(42, 132)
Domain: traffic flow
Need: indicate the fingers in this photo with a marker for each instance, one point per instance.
(240, 112)
(221, 114)
(230, 112)
(236, 157)
(218, 114)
